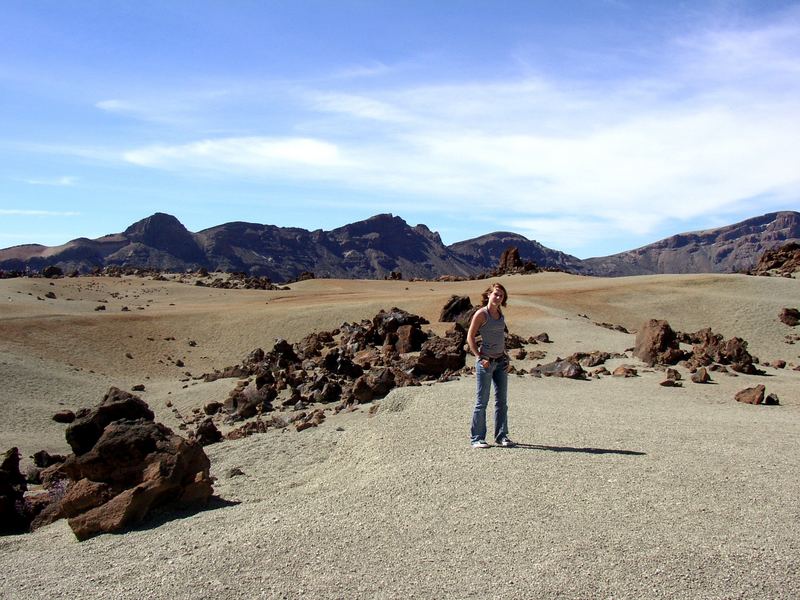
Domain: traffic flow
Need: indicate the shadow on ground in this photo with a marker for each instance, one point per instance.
(572, 449)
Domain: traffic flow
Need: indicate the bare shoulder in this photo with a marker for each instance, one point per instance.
(479, 318)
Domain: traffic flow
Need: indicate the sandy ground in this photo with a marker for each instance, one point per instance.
(621, 488)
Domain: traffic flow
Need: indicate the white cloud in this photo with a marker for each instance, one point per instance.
(713, 126)
(66, 181)
(249, 154)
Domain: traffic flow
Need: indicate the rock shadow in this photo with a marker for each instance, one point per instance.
(165, 514)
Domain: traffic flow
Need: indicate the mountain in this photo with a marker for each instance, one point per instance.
(485, 252)
(373, 248)
(383, 244)
(368, 249)
(728, 249)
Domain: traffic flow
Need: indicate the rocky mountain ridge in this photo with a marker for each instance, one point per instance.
(386, 246)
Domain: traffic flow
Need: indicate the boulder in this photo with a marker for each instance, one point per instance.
(64, 416)
(560, 368)
(458, 309)
(207, 433)
(657, 343)
(116, 404)
(701, 376)
(12, 492)
(373, 386)
(409, 339)
(44, 459)
(624, 371)
(590, 359)
(135, 466)
(441, 354)
(790, 316)
(245, 401)
(753, 395)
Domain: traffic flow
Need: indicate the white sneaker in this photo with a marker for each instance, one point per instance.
(507, 443)
(480, 444)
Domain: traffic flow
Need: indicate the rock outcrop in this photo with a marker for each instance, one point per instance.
(657, 343)
(783, 261)
(124, 465)
(13, 517)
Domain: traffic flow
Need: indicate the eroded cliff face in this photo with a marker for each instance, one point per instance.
(730, 249)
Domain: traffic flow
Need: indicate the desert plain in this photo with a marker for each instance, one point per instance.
(621, 488)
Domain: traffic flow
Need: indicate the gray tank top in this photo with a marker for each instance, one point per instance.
(493, 335)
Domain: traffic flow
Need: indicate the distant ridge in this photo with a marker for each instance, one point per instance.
(384, 244)
(728, 249)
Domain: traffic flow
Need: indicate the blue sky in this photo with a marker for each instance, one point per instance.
(593, 127)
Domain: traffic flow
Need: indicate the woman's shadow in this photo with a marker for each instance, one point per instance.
(587, 450)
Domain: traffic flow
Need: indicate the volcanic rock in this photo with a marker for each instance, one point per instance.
(441, 354)
(790, 316)
(560, 368)
(134, 466)
(753, 395)
(64, 416)
(657, 343)
(12, 491)
(624, 371)
(458, 309)
(701, 376)
(207, 433)
(116, 404)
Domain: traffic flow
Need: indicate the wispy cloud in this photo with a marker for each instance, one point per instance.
(252, 154)
(66, 181)
(713, 126)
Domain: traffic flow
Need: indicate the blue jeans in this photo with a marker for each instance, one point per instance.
(495, 372)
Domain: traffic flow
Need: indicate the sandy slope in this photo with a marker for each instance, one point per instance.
(623, 488)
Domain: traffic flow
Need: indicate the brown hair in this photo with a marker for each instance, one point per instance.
(490, 289)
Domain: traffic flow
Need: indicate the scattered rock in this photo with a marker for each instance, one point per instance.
(753, 395)
(624, 371)
(701, 376)
(212, 408)
(790, 316)
(560, 368)
(207, 433)
(64, 416)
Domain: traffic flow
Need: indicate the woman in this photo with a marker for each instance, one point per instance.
(491, 366)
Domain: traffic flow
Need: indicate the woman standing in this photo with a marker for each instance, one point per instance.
(491, 366)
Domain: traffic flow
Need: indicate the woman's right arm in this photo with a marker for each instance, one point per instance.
(478, 319)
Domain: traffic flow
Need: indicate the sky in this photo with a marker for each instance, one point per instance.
(592, 127)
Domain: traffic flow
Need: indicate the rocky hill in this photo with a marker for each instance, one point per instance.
(385, 244)
(373, 248)
(728, 249)
(485, 252)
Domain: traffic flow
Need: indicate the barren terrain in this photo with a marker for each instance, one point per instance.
(621, 488)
